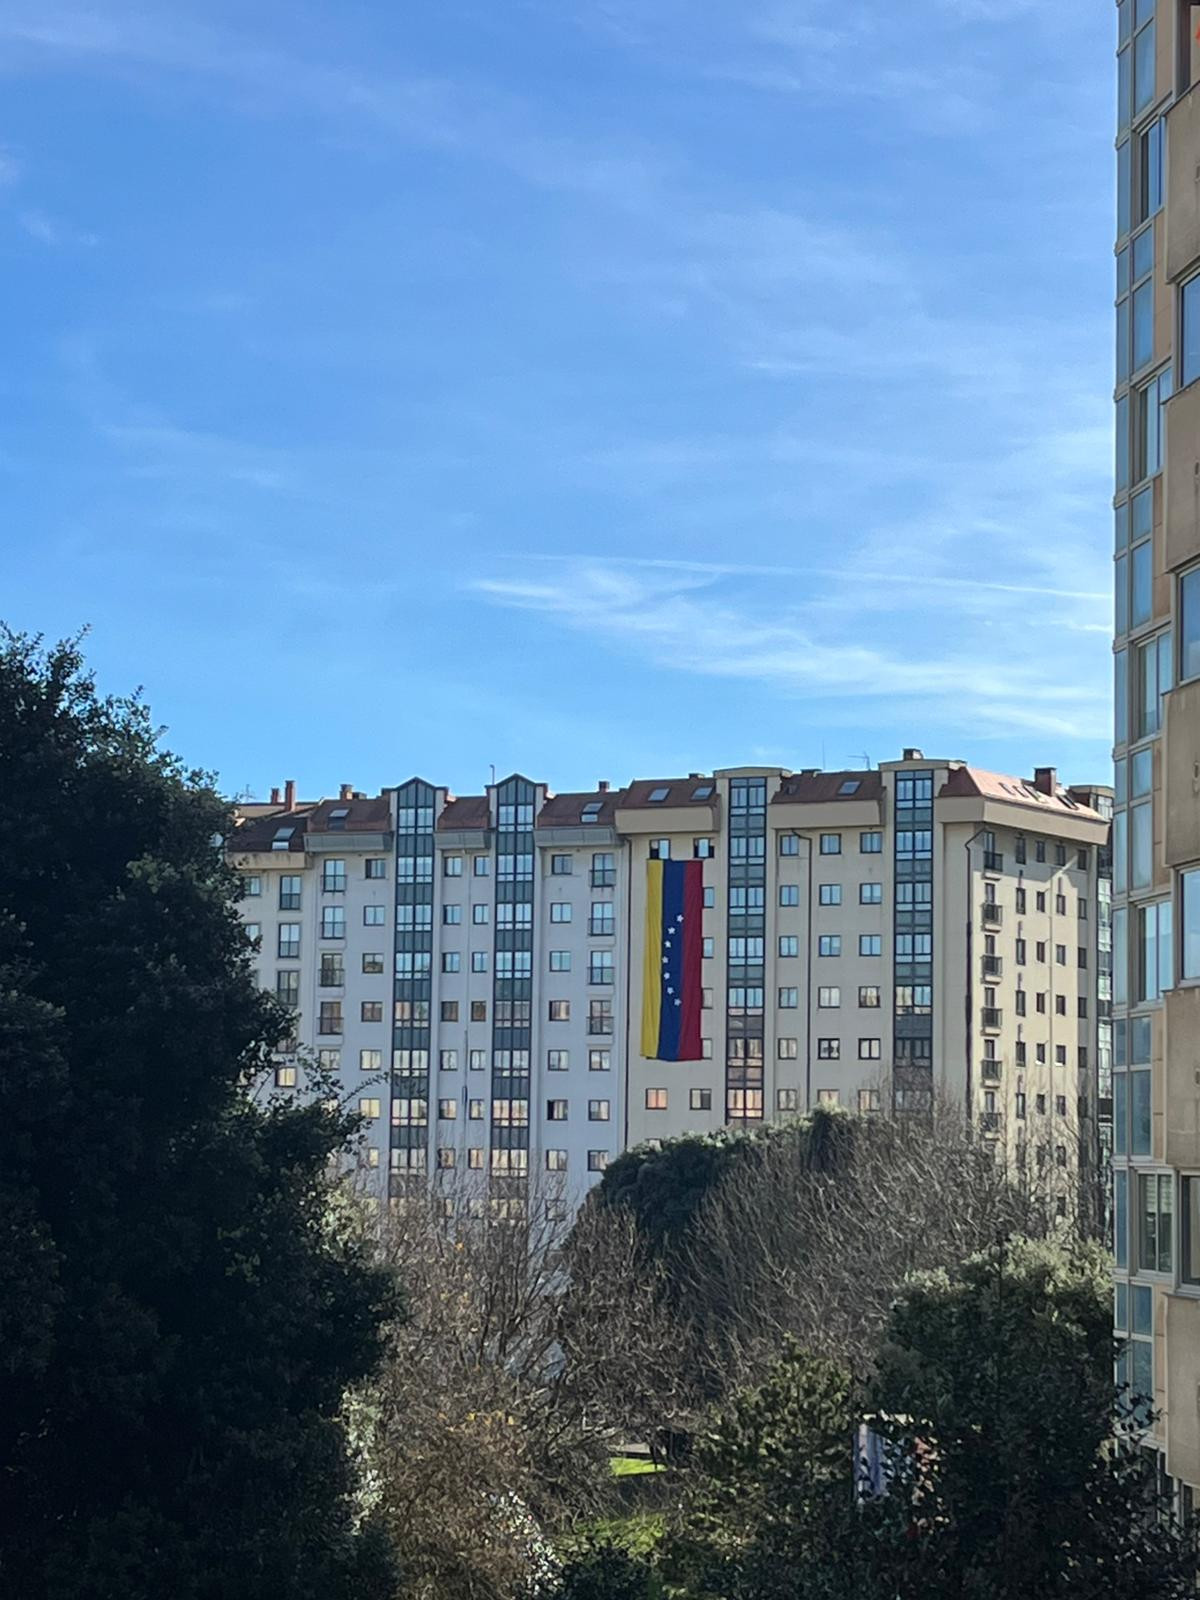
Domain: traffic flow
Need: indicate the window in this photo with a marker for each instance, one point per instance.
(870, 1049)
(827, 1097)
(600, 1018)
(560, 961)
(604, 870)
(480, 914)
(371, 1011)
(868, 997)
(700, 1099)
(478, 1010)
(333, 922)
(702, 849)
(374, 916)
(557, 1060)
(870, 894)
(787, 1100)
(656, 1099)
(787, 1049)
(560, 1011)
(870, 944)
(452, 866)
(710, 899)
(285, 1077)
(829, 1049)
(1156, 1221)
(449, 1010)
(370, 1060)
(333, 876)
(289, 941)
(830, 894)
(602, 920)
(828, 999)
(561, 866)
(477, 1060)
(600, 966)
(706, 949)
(789, 944)
(831, 844)
(369, 1107)
(560, 911)
(660, 849)
(451, 961)
(329, 1016)
(451, 916)
(253, 932)
(868, 1099)
(448, 1060)
(374, 867)
(789, 844)
(597, 1160)
(289, 893)
(1060, 954)
(251, 886)
(789, 999)
(481, 866)
(789, 894)
(556, 1110)
(870, 844)
(599, 1060)
(598, 1110)
(447, 1110)
(475, 1110)
(1155, 950)
(829, 944)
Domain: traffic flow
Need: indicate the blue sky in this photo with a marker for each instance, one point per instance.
(588, 387)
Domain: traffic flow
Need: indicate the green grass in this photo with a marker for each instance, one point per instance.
(631, 1466)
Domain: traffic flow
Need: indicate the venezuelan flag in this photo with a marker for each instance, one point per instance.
(671, 960)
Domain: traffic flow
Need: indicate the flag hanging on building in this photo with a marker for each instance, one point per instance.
(671, 960)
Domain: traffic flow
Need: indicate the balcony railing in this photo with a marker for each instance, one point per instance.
(991, 1123)
(600, 1025)
(990, 1069)
(604, 878)
(601, 929)
(993, 861)
(992, 913)
(993, 966)
(990, 1019)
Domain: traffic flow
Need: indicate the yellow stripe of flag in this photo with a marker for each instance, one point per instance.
(652, 961)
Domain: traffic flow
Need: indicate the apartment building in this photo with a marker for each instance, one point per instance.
(1156, 824)
(473, 970)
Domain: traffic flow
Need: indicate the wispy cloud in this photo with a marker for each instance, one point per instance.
(688, 621)
(53, 231)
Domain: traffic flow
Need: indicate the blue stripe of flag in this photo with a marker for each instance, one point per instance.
(673, 879)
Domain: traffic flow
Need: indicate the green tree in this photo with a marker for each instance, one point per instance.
(998, 1378)
(770, 1511)
(179, 1318)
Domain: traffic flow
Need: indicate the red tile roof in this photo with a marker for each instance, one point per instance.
(465, 811)
(680, 792)
(258, 832)
(566, 810)
(362, 816)
(813, 788)
(977, 783)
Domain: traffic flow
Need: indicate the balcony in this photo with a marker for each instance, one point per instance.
(990, 1069)
(601, 929)
(991, 1124)
(604, 878)
(993, 915)
(993, 966)
(991, 1019)
(598, 1026)
(993, 861)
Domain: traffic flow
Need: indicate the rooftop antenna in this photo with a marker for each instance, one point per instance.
(866, 761)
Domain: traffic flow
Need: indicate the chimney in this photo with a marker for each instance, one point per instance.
(913, 755)
(275, 795)
(1045, 779)
(346, 792)
(603, 786)
(289, 795)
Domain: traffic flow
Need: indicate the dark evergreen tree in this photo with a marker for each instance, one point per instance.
(179, 1318)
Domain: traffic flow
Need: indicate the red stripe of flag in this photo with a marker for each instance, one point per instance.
(693, 950)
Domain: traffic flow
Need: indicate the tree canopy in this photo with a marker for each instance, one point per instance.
(179, 1319)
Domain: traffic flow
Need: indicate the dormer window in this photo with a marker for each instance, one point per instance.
(657, 796)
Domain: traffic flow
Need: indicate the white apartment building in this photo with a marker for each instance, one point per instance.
(470, 967)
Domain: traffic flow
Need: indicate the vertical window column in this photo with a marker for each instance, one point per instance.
(745, 955)
(412, 986)
(912, 1041)
(512, 989)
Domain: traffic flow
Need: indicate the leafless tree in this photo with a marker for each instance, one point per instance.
(497, 1411)
(814, 1236)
